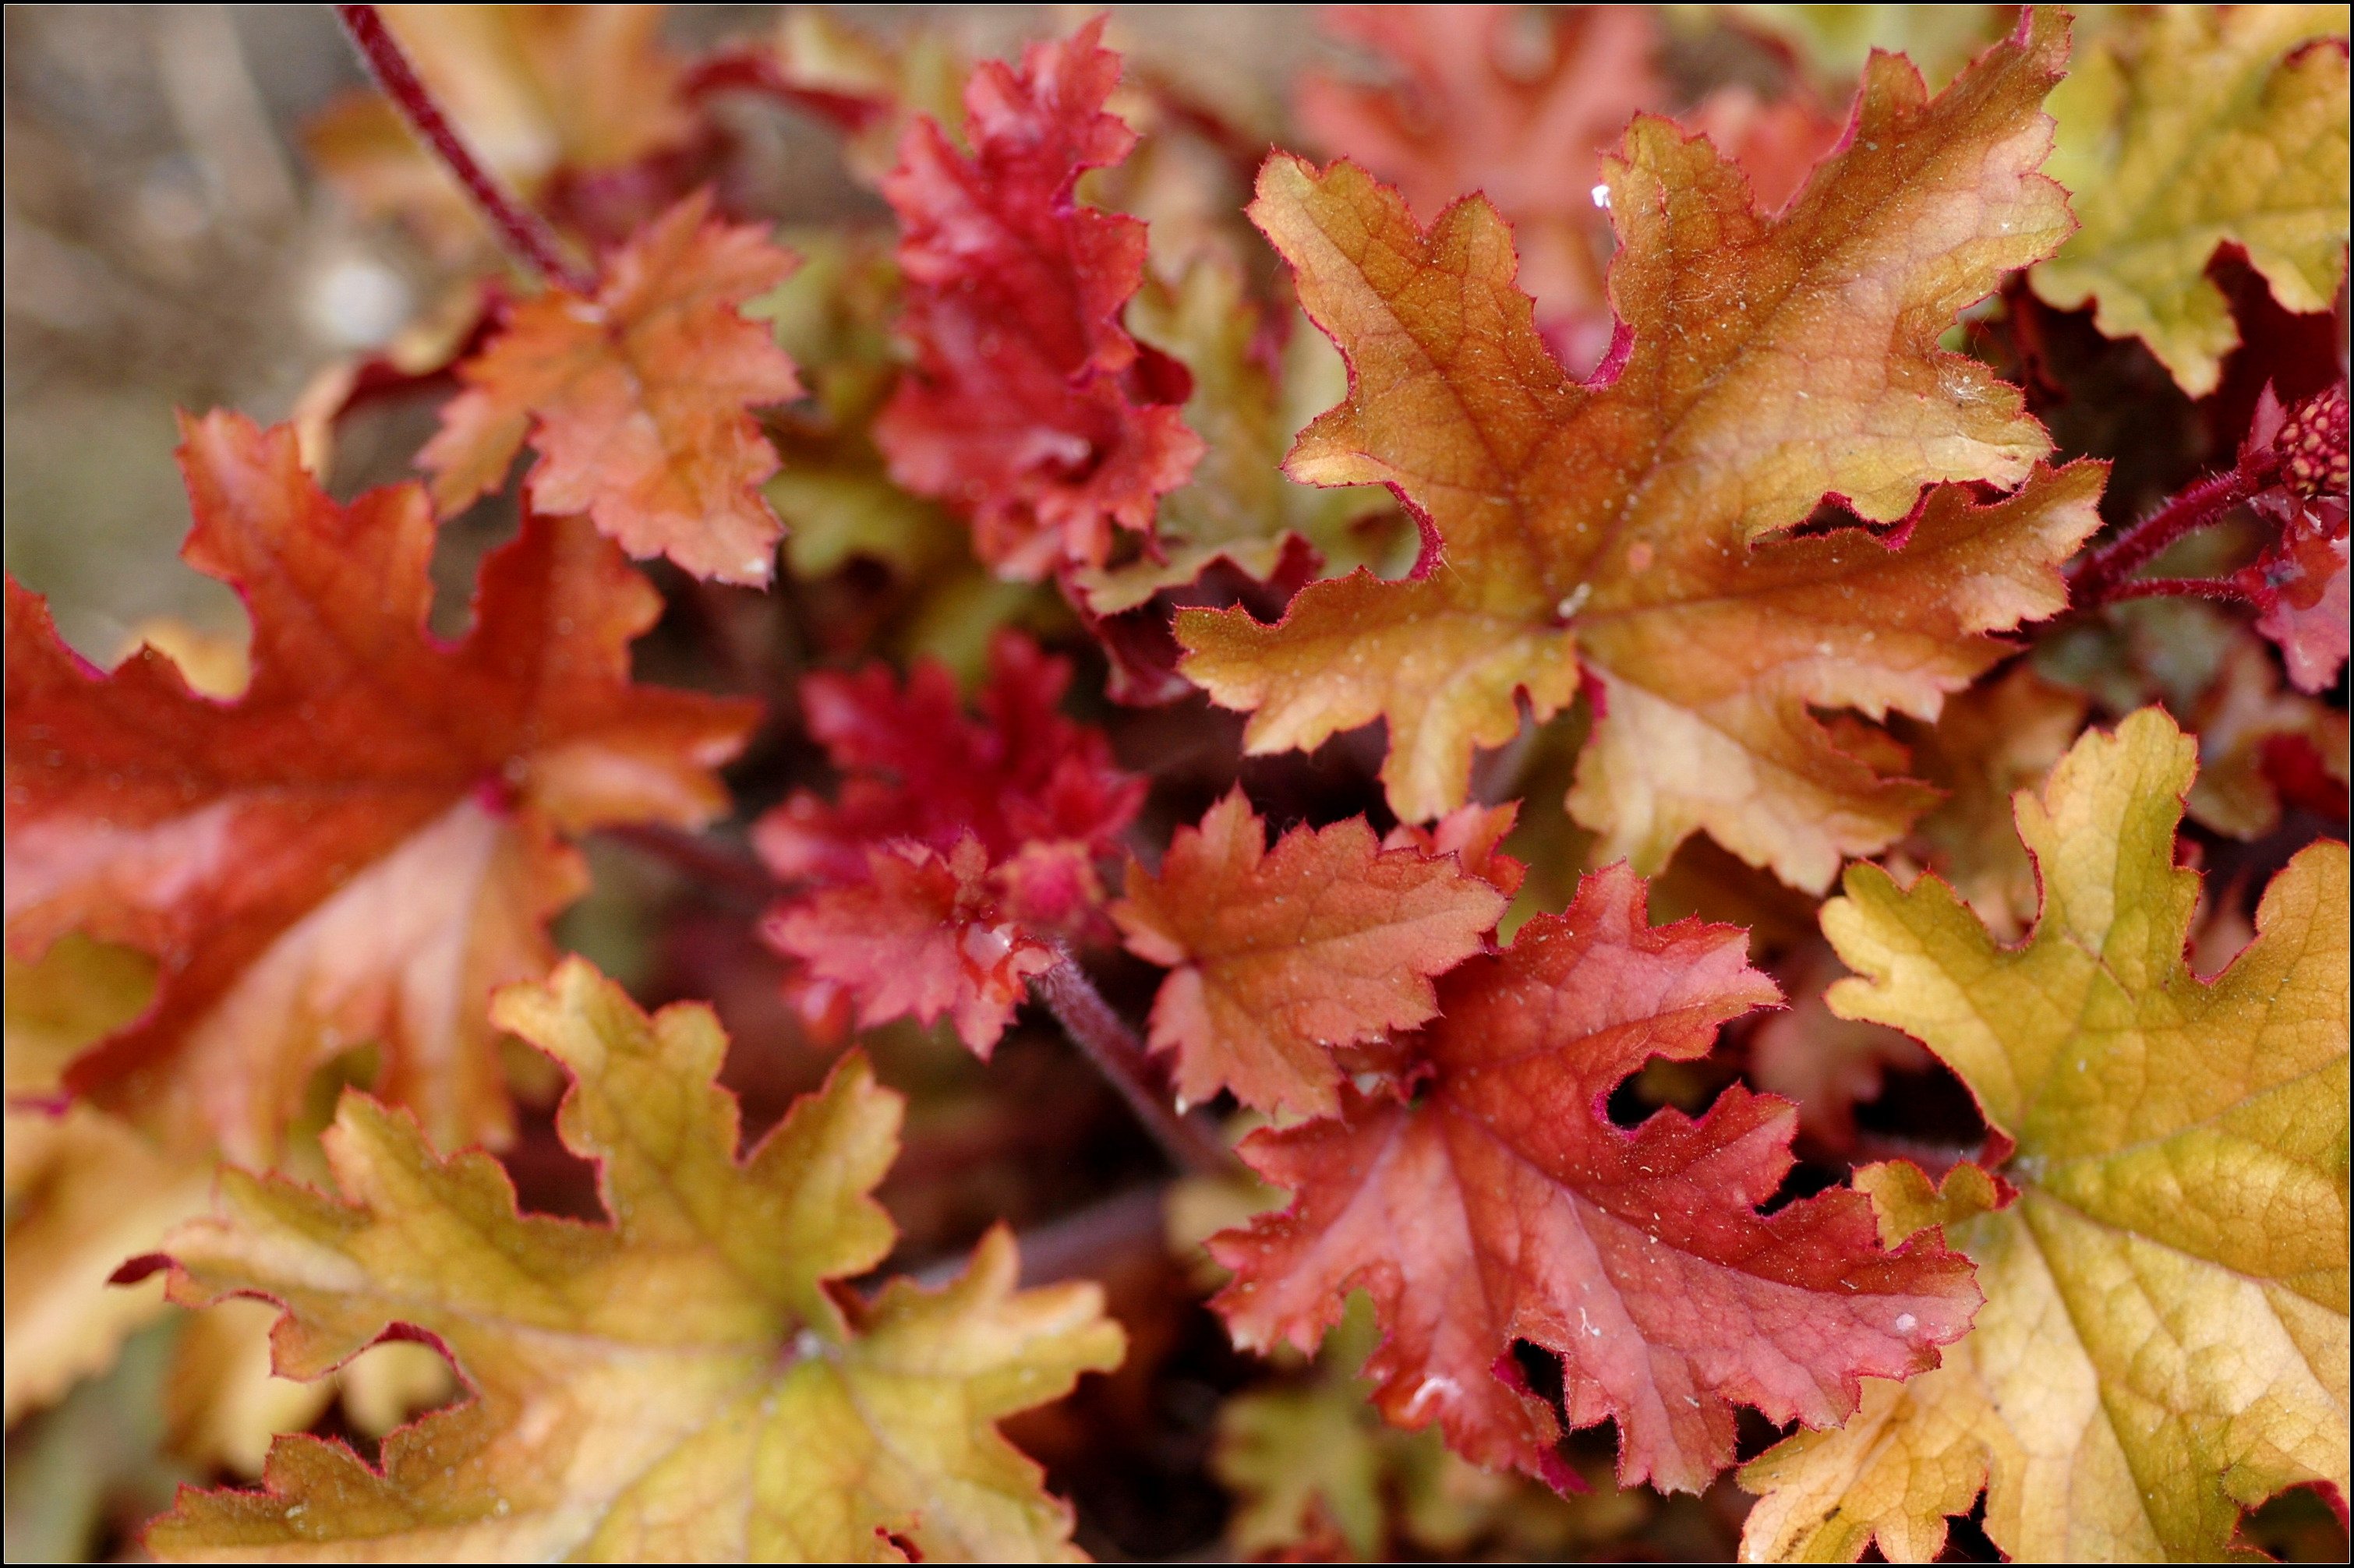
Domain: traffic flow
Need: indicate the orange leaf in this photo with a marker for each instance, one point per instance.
(1767, 364)
(366, 842)
(636, 400)
(1501, 1205)
(1278, 955)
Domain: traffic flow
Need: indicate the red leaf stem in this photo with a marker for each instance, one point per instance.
(2224, 590)
(2101, 579)
(526, 233)
(1120, 1055)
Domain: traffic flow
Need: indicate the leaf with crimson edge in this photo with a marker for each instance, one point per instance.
(690, 1382)
(1499, 1204)
(1614, 528)
(2164, 1342)
(2185, 127)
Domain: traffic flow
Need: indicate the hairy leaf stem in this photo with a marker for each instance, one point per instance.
(2102, 578)
(1120, 1057)
(525, 232)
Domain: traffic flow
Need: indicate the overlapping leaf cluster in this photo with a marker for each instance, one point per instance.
(1714, 455)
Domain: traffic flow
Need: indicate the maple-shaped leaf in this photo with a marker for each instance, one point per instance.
(364, 844)
(1771, 362)
(1500, 1204)
(1239, 506)
(957, 850)
(2192, 126)
(637, 400)
(1278, 956)
(1029, 407)
(2164, 1342)
(688, 1382)
(540, 92)
(916, 766)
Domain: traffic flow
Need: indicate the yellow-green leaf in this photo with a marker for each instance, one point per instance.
(2198, 125)
(688, 1382)
(2164, 1342)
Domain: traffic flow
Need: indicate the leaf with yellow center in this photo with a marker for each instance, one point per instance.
(2164, 1342)
(2198, 125)
(1623, 523)
(689, 1383)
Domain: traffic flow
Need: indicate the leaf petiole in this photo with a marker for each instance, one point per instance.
(525, 232)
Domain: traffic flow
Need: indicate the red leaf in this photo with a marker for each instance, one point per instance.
(1502, 1206)
(363, 844)
(983, 831)
(915, 768)
(636, 400)
(1030, 408)
(920, 937)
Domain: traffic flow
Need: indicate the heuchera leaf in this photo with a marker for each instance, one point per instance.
(992, 826)
(921, 936)
(2164, 1342)
(636, 400)
(2252, 734)
(1278, 956)
(688, 1382)
(1519, 103)
(1029, 407)
(1500, 1204)
(367, 841)
(2188, 127)
(1771, 362)
(1474, 836)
